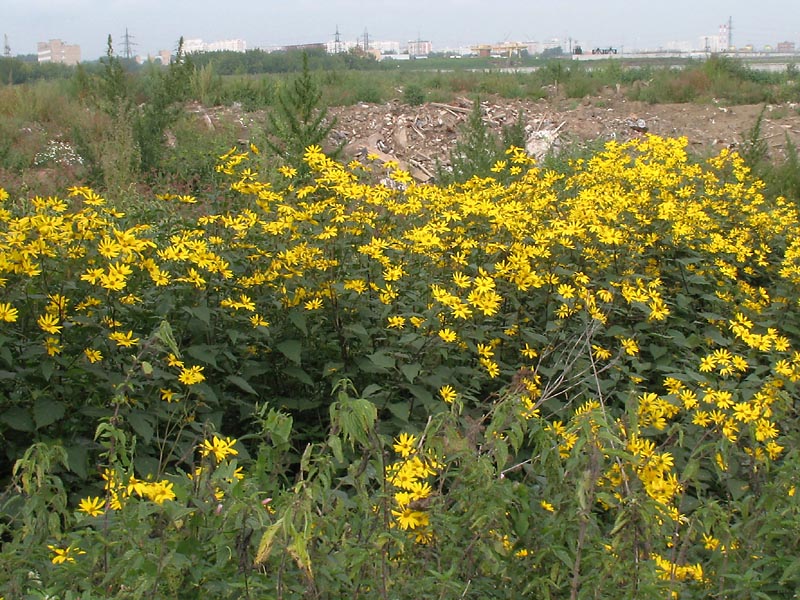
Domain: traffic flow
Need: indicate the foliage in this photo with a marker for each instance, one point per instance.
(413, 95)
(478, 151)
(537, 383)
(298, 121)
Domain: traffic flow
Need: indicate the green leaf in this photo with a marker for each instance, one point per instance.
(400, 410)
(410, 371)
(298, 319)
(299, 374)
(382, 360)
(47, 411)
(335, 444)
(18, 418)
(291, 349)
(265, 545)
(203, 353)
(200, 312)
(47, 369)
(242, 384)
(140, 423)
(166, 337)
(77, 459)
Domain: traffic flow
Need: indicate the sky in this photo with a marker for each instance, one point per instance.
(625, 24)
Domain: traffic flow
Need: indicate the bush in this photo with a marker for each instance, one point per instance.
(413, 95)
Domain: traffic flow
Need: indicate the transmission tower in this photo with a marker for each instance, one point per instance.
(337, 41)
(6, 46)
(127, 44)
(366, 40)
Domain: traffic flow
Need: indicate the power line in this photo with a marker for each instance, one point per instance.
(127, 44)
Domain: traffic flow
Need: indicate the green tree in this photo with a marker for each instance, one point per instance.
(169, 89)
(478, 148)
(298, 121)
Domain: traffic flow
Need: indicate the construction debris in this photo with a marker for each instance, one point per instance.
(420, 138)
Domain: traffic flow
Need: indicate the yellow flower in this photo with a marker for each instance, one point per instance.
(448, 335)
(288, 172)
(49, 323)
(396, 322)
(600, 353)
(220, 448)
(405, 444)
(174, 361)
(547, 506)
(448, 394)
(53, 346)
(64, 555)
(8, 313)
(125, 340)
(408, 518)
(92, 506)
(258, 321)
(630, 346)
(314, 304)
(168, 395)
(192, 375)
(93, 355)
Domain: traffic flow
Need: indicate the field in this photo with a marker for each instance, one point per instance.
(246, 354)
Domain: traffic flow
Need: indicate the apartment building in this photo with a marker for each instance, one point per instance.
(56, 51)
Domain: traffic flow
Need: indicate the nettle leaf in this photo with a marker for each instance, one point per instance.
(47, 411)
(400, 410)
(18, 418)
(242, 384)
(299, 374)
(200, 312)
(140, 423)
(382, 360)
(204, 353)
(291, 349)
(298, 319)
(411, 371)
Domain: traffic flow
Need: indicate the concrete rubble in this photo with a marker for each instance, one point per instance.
(420, 138)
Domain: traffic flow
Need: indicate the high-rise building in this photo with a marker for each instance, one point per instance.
(419, 47)
(56, 51)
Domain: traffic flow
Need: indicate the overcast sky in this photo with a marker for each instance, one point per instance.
(628, 24)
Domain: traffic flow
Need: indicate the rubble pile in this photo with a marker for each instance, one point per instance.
(420, 138)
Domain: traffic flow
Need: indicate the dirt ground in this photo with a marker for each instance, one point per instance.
(419, 136)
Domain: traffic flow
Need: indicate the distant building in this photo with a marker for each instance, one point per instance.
(196, 45)
(56, 51)
(165, 56)
(419, 48)
(227, 45)
(190, 46)
(785, 47)
(339, 46)
(385, 47)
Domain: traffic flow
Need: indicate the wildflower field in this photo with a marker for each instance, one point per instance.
(540, 384)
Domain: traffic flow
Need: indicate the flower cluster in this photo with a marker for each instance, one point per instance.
(410, 478)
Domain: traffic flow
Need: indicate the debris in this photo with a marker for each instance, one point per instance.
(420, 138)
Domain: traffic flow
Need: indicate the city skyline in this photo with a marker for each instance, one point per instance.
(155, 26)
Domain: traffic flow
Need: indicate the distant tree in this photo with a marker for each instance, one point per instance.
(553, 52)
